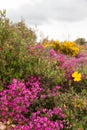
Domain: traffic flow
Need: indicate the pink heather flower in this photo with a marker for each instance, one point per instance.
(43, 96)
(14, 81)
(56, 88)
(40, 47)
(16, 102)
(44, 110)
(52, 52)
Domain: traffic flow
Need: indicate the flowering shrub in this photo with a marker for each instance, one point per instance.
(56, 45)
(49, 86)
(18, 98)
(70, 48)
(15, 101)
(75, 108)
(14, 41)
(39, 121)
(51, 121)
(43, 64)
(58, 56)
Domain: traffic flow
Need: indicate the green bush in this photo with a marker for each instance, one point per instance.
(75, 108)
(21, 57)
(14, 42)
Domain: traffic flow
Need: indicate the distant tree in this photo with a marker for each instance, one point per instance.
(81, 41)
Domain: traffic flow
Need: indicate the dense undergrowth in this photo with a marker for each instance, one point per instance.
(43, 86)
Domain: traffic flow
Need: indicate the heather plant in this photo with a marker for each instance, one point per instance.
(34, 61)
(46, 99)
(17, 100)
(18, 106)
(51, 121)
(22, 58)
(44, 65)
(49, 81)
(70, 65)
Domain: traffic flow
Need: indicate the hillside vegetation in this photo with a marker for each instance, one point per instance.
(43, 86)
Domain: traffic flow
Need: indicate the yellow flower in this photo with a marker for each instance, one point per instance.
(76, 76)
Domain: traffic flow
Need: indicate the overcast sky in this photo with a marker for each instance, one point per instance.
(57, 19)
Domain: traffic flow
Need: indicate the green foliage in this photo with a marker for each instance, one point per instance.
(17, 33)
(14, 42)
(75, 108)
(20, 57)
(44, 66)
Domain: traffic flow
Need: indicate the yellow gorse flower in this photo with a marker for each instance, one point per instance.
(76, 76)
(70, 48)
(66, 47)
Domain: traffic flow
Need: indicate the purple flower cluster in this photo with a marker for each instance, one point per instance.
(42, 120)
(15, 101)
(19, 97)
(59, 57)
(51, 93)
(72, 64)
(69, 64)
(35, 50)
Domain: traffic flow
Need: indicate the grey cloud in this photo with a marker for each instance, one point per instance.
(42, 11)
